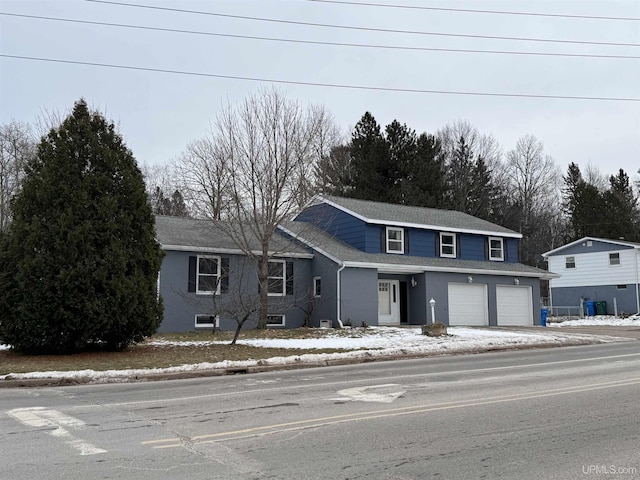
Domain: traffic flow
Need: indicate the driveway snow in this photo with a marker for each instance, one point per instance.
(362, 343)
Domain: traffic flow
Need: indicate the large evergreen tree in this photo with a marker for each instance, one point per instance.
(369, 161)
(80, 260)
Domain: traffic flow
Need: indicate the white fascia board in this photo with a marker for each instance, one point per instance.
(593, 239)
(232, 251)
(392, 268)
(422, 226)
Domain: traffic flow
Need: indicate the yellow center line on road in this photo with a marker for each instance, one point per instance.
(386, 413)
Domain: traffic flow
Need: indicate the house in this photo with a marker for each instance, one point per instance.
(352, 262)
(596, 269)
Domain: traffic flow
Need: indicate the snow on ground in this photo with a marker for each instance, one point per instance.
(633, 321)
(361, 343)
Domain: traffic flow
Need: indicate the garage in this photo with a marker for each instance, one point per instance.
(513, 305)
(468, 304)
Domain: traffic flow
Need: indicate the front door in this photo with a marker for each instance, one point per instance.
(388, 302)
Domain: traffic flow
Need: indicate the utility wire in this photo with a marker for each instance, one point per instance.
(318, 42)
(468, 10)
(318, 84)
(368, 29)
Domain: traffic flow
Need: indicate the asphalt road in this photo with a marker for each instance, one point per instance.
(562, 413)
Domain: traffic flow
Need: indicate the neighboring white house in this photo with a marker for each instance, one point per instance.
(596, 269)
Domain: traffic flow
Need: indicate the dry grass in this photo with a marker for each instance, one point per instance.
(161, 356)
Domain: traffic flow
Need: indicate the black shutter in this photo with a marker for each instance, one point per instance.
(505, 256)
(458, 249)
(487, 246)
(437, 244)
(383, 239)
(406, 241)
(193, 271)
(289, 278)
(224, 275)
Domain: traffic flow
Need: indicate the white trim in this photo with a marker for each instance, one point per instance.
(407, 269)
(217, 275)
(232, 251)
(501, 257)
(284, 279)
(592, 239)
(317, 281)
(454, 245)
(388, 240)
(206, 325)
(614, 264)
(284, 320)
(418, 225)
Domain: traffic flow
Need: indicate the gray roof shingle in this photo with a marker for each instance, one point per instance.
(393, 214)
(181, 233)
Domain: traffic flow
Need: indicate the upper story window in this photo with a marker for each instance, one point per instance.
(208, 276)
(280, 279)
(496, 249)
(395, 240)
(448, 245)
(570, 262)
(317, 286)
(614, 259)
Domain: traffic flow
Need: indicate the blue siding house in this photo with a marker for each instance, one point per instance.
(354, 261)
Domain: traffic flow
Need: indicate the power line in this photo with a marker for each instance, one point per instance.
(319, 84)
(367, 29)
(468, 10)
(318, 42)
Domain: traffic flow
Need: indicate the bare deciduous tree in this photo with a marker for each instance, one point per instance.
(17, 146)
(269, 145)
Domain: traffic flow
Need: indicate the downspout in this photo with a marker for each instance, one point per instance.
(338, 293)
(637, 292)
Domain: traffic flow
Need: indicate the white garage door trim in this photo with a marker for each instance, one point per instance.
(513, 305)
(468, 304)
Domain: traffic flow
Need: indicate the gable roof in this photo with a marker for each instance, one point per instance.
(345, 255)
(623, 243)
(417, 217)
(198, 235)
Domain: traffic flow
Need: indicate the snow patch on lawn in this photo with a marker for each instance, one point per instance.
(600, 320)
(361, 343)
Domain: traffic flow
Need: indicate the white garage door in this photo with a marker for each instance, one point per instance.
(514, 305)
(468, 304)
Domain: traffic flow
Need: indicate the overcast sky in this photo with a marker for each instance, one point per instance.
(160, 113)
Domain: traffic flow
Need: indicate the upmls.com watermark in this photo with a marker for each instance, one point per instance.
(608, 470)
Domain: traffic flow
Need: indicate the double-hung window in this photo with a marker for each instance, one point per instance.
(614, 259)
(395, 240)
(570, 262)
(208, 276)
(448, 245)
(496, 249)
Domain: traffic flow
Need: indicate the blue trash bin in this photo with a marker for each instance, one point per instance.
(543, 317)
(591, 307)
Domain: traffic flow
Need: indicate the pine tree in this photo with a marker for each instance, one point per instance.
(80, 260)
(622, 207)
(369, 160)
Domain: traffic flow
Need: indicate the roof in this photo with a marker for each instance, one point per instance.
(623, 243)
(346, 255)
(191, 234)
(419, 217)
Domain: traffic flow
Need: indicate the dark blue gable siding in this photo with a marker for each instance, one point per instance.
(339, 224)
(370, 238)
(511, 250)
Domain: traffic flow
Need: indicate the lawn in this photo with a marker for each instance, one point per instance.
(145, 355)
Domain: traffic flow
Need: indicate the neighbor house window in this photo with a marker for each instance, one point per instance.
(570, 262)
(614, 259)
(207, 321)
(621, 287)
(317, 286)
(280, 279)
(275, 320)
(496, 249)
(207, 279)
(448, 245)
(395, 240)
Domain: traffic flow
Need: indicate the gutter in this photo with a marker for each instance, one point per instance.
(338, 293)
